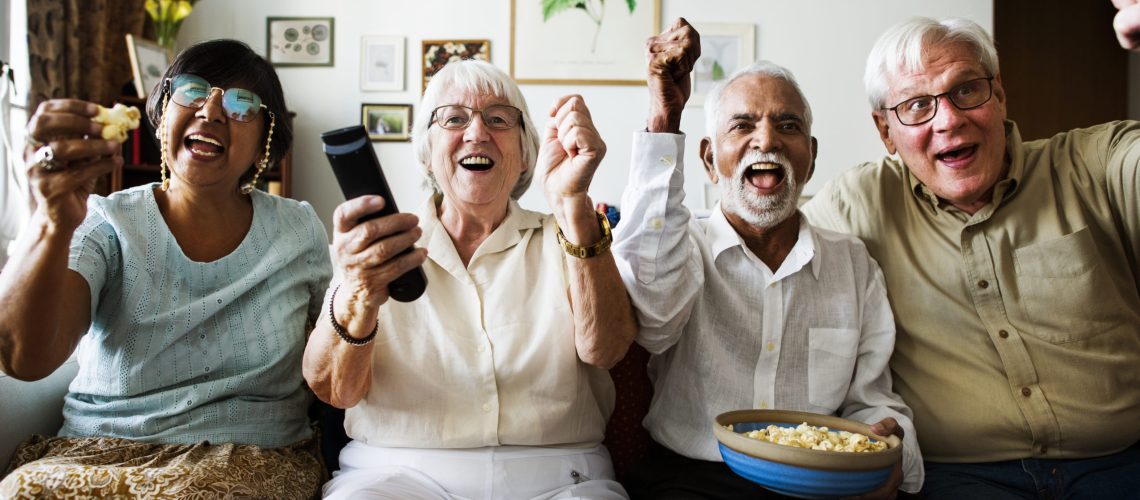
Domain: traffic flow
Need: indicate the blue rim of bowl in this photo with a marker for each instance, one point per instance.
(803, 457)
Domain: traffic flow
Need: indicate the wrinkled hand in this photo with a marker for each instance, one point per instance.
(571, 150)
(81, 156)
(889, 489)
(1127, 23)
(672, 55)
(368, 255)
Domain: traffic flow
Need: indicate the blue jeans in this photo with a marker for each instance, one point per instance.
(1109, 477)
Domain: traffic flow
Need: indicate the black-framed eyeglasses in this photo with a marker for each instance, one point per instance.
(966, 95)
(497, 116)
(192, 91)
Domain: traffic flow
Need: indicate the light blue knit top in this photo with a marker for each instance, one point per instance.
(181, 351)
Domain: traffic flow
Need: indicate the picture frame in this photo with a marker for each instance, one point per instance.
(381, 63)
(387, 122)
(300, 41)
(149, 61)
(582, 41)
(435, 54)
(725, 48)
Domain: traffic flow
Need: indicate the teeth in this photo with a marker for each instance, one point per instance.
(196, 137)
(475, 160)
(764, 166)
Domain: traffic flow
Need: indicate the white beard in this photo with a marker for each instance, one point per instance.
(762, 211)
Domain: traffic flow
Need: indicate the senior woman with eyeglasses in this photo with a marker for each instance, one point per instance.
(187, 301)
(493, 384)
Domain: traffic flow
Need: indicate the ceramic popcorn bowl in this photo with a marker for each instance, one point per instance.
(802, 472)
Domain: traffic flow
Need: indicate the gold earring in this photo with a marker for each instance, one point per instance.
(162, 141)
(250, 186)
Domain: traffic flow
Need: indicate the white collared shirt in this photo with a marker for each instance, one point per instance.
(486, 356)
(729, 333)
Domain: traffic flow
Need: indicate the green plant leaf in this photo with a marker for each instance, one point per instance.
(552, 7)
(632, 5)
(717, 71)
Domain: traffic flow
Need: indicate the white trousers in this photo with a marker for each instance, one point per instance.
(490, 473)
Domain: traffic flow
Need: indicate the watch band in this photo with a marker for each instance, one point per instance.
(586, 252)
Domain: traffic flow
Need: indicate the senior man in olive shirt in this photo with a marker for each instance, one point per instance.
(1012, 268)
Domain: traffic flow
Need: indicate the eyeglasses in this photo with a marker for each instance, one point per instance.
(456, 117)
(967, 95)
(191, 91)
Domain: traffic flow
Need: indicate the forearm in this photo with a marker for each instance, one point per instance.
(42, 316)
(340, 373)
(604, 324)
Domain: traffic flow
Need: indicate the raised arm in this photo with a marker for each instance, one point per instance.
(367, 258)
(572, 149)
(44, 306)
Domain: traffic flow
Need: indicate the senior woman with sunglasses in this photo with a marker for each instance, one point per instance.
(187, 301)
(493, 384)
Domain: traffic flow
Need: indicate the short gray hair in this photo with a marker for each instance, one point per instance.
(763, 68)
(476, 77)
(902, 46)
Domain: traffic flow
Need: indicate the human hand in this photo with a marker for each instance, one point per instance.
(64, 157)
(571, 150)
(889, 489)
(1127, 23)
(369, 255)
(672, 55)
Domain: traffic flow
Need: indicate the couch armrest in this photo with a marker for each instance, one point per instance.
(32, 408)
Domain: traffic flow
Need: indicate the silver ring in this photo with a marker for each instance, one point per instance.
(45, 158)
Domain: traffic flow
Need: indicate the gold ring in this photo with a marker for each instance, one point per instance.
(45, 158)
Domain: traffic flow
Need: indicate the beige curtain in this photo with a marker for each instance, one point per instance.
(77, 49)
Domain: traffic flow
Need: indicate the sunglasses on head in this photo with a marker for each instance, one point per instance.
(192, 91)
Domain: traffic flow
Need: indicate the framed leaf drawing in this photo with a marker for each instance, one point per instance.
(437, 53)
(299, 41)
(725, 48)
(582, 41)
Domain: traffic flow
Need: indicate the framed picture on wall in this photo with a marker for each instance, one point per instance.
(382, 63)
(299, 41)
(725, 48)
(148, 62)
(387, 122)
(582, 41)
(437, 53)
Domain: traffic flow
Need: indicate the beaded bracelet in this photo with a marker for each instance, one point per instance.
(341, 332)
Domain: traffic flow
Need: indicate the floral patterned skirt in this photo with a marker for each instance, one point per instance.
(62, 467)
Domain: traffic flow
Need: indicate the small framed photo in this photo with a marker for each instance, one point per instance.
(437, 53)
(382, 63)
(387, 122)
(148, 62)
(299, 41)
(725, 48)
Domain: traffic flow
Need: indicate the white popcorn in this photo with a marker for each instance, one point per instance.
(816, 438)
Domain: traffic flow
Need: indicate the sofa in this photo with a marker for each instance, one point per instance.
(36, 408)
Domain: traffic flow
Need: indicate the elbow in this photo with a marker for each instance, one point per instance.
(604, 360)
(607, 355)
(15, 365)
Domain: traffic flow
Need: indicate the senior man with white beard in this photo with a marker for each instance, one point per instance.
(752, 307)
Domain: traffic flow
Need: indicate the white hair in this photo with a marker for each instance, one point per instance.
(902, 46)
(765, 68)
(475, 77)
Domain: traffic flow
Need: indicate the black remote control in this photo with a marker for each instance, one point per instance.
(358, 172)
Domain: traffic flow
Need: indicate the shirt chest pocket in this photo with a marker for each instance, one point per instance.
(1065, 293)
(831, 364)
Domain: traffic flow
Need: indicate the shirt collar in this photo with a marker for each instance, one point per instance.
(723, 237)
(1003, 190)
(442, 250)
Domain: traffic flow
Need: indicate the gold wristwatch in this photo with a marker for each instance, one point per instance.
(594, 250)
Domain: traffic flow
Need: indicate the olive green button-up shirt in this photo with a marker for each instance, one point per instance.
(1018, 326)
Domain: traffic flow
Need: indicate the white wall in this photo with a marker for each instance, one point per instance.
(824, 42)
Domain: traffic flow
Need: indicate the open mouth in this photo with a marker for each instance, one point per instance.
(957, 155)
(476, 163)
(764, 175)
(203, 146)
